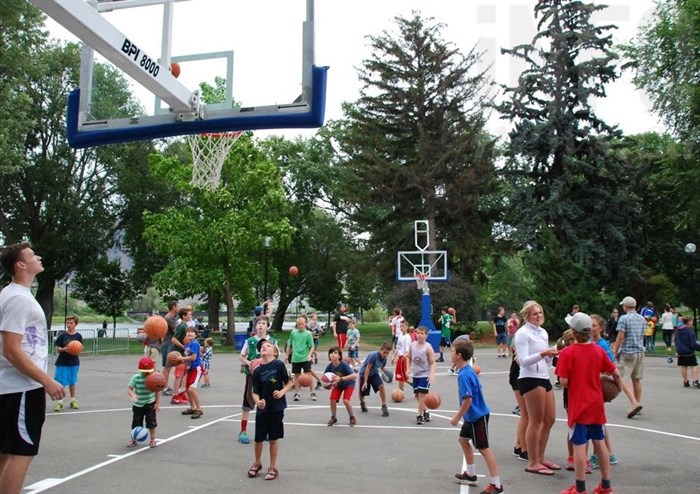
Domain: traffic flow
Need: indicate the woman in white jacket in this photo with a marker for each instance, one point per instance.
(535, 355)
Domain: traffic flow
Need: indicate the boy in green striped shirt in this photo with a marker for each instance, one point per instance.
(145, 403)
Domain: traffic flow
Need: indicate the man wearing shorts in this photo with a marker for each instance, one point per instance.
(629, 351)
(23, 363)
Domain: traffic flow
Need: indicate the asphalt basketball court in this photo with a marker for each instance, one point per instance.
(84, 451)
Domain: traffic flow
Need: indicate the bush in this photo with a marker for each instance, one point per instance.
(376, 314)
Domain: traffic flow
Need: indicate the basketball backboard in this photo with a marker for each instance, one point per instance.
(432, 263)
(115, 30)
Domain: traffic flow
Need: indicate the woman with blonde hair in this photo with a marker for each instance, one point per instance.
(535, 355)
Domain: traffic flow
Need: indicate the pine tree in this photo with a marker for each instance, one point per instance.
(560, 161)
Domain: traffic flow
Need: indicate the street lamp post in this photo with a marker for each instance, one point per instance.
(267, 242)
(65, 305)
(690, 249)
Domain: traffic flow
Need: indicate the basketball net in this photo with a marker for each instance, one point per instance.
(209, 152)
(422, 282)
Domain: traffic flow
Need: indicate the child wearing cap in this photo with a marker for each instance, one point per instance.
(145, 403)
(579, 369)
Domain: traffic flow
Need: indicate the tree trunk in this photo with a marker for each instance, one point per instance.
(213, 310)
(44, 295)
(230, 317)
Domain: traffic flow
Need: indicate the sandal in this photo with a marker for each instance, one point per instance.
(253, 471)
(152, 443)
(271, 474)
(550, 465)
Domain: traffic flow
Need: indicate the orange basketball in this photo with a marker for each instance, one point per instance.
(74, 347)
(155, 327)
(174, 358)
(610, 389)
(175, 69)
(156, 382)
(477, 368)
(432, 401)
(305, 380)
(293, 271)
(397, 396)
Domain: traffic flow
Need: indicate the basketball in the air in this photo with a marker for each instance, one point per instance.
(397, 396)
(610, 388)
(477, 368)
(327, 380)
(139, 434)
(254, 364)
(293, 270)
(451, 311)
(156, 381)
(74, 347)
(155, 327)
(174, 358)
(175, 69)
(432, 401)
(305, 380)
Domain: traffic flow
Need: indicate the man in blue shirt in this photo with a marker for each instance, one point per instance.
(629, 350)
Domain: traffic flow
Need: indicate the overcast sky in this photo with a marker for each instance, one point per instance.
(265, 36)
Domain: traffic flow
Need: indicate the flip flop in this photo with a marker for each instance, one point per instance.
(634, 411)
(550, 465)
(540, 471)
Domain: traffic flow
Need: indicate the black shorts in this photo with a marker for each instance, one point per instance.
(477, 431)
(526, 384)
(687, 361)
(445, 341)
(148, 412)
(298, 367)
(513, 375)
(21, 420)
(269, 426)
(248, 402)
(375, 382)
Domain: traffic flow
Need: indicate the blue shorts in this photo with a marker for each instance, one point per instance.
(581, 433)
(66, 375)
(354, 353)
(501, 338)
(269, 426)
(421, 385)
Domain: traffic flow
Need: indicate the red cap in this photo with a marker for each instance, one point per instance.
(146, 365)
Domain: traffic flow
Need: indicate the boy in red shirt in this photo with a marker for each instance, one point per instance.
(579, 368)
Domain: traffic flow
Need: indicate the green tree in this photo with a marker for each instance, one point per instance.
(561, 168)
(414, 146)
(106, 288)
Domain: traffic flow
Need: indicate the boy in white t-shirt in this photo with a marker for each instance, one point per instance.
(395, 324)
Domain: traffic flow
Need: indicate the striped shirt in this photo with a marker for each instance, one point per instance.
(206, 358)
(633, 325)
(143, 395)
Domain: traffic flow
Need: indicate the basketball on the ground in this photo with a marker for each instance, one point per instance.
(293, 270)
(387, 375)
(139, 434)
(175, 69)
(74, 347)
(155, 327)
(397, 396)
(432, 401)
(610, 388)
(477, 368)
(156, 381)
(174, 358)
(327, 380)
(305, 380)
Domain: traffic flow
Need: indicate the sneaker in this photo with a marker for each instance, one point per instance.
(167, 392)
(297, 397)
(517, 451)
(440, 359)
(613, 459)
(588, 467)
(452, 371)
(197, 414)
(464, 478)
(385, 411)
(205, 385)
(188, 411)
(686, 384)
(696, 384)
(419, 420)
(602, 490)
(363, 407)
(183, 397)
(175, 400)
(74, 404)
(570, 464)
(318, 385)
(516, 410)
(524, 456)
(332, 421)
(313, 396)
(593, 462)
(492, 489)
(571, 490)
(58, 407)
(243, 438)
(353, 421)
(426, 416)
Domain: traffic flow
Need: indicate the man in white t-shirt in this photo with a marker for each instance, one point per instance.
(23, 364)
(395, 323)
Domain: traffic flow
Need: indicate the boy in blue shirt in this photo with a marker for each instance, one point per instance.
(193, 358)
(369, 377)
(475, 413)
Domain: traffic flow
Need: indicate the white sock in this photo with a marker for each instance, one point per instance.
(496, 480)
(471, 470)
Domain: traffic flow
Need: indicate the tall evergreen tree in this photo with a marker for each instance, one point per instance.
(414, 145)
(560, 164)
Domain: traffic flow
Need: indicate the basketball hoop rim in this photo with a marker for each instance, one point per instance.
(221, 135)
